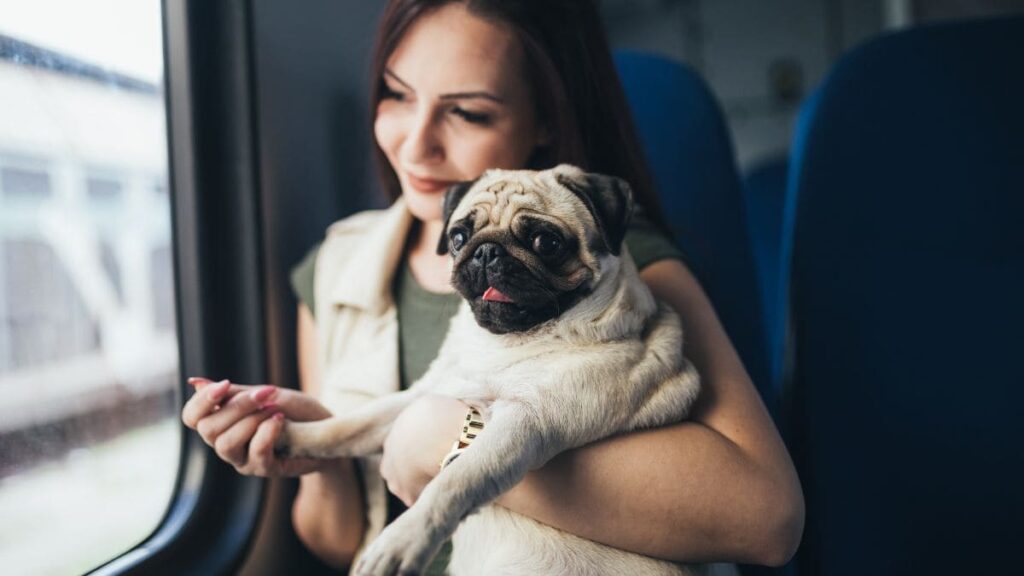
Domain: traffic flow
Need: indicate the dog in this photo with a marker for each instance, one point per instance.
(558, 343)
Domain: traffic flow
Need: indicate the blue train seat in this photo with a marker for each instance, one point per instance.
(764, 190)
(907, 303)
(688, 148)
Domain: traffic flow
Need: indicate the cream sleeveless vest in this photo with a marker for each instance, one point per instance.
(357, 326)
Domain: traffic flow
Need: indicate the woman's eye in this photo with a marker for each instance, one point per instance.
(457, 240)
(472, 117)
(546, 244)
(387, 93)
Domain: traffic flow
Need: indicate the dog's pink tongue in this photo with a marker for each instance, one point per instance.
(494, 295)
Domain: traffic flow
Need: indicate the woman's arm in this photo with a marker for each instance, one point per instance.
(719, 487)
(328, 510)
(242, 423)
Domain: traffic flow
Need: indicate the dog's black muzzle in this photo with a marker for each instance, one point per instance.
(490, 265)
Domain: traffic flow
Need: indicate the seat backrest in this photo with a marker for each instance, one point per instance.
(764, 190)
(690, 153)
(907, 294)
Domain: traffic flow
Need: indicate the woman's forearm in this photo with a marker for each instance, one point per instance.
(328, 510)
(328, 513)
(684, 493)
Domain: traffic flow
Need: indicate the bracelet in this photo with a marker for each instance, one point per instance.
(470, 430)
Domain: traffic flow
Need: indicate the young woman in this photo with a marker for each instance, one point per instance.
(464, 86)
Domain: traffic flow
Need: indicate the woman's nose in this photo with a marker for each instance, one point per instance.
(422, 142)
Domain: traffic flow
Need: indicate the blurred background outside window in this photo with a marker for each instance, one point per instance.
(89, 436)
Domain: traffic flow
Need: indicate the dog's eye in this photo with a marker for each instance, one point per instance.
(546, 244)
(457, 240)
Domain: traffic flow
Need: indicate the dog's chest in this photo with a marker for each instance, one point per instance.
(488, 373)
(475, 364)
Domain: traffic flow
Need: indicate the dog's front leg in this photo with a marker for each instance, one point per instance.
(510, 445)
(361, 431)
(357, 433)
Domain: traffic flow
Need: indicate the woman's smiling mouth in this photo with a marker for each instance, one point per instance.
(427, 184)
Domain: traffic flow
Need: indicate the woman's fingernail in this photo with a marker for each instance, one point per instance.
(268, 406)
(262, 394)
(218, 390)
(278, 416)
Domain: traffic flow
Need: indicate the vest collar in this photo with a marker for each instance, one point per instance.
(366, 281)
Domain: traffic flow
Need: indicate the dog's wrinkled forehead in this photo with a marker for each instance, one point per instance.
(500, 195)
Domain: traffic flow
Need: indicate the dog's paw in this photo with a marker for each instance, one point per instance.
(302, 440)
(402, 548)
(284, 447)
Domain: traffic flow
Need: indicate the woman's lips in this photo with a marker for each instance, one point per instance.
(428, 184)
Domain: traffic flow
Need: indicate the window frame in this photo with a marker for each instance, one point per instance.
(219, 291)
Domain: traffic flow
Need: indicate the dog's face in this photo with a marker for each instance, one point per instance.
(527, 246)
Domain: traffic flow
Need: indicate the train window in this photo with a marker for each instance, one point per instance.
(89, 434)
(24, 183)
(104, 190)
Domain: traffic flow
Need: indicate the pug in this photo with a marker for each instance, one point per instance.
(558, 343)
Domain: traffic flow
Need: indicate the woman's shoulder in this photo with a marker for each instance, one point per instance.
(355, 224)
(339, 238)
(648, 243)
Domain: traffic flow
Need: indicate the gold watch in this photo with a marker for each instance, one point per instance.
(472, 427)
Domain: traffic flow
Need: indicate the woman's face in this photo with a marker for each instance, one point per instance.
(455, 103)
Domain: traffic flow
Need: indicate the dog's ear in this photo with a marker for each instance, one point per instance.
(609, 200)
(455, 193)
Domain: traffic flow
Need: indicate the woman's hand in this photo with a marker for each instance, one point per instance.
(242, 423)
(420, 437)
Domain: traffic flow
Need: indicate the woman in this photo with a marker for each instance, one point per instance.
(464, 86)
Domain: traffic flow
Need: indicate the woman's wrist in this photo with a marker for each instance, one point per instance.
(421, 436)
(472, 425)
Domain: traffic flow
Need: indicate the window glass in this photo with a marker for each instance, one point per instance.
(24, 183)
(89, 434)
(103, 190)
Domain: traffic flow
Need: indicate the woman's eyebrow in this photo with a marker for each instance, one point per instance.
(393, 76)
(452, 96)
(468, 95)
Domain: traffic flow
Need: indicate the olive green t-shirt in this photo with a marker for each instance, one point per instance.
(424, 317)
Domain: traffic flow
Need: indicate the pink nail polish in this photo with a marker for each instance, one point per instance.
(262, 394)
(278, 416)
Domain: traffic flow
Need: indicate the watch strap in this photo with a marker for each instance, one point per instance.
(471, 428)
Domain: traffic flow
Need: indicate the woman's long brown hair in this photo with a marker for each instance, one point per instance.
(569, 68)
